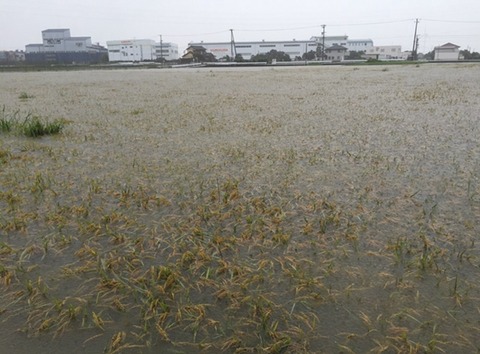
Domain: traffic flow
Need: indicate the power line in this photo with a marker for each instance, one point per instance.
(197, 34)
(372, 23)
(451, 21)
(320, 26)
(276, 29)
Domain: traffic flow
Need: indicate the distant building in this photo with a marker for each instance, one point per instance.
(357, 45)
(335, 53)
(197, 54)
(60, 47)
(12, 56)
(131, 50)
(140, 50)
(448, 51)
(248, 49)
(294, 48)
(166, 50)
(386, 52)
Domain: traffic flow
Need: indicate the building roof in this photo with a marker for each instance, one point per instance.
(196, 47)
(337, 47)
(56, 30)
(252, 42)
(448, 46)
(77, 38)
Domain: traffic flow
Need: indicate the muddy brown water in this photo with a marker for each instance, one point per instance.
(308, 209)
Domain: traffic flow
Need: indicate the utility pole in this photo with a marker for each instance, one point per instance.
(323, 42)
(415, 41)
(233, 50)
(161, 49)
(306, 52)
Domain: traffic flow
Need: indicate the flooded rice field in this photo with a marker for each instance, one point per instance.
(271, 210)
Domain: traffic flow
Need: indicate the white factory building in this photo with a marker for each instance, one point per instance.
(58, 46)
(294, 48)
(60, 40)
(141, 50)
(357, 45)
(249, 49)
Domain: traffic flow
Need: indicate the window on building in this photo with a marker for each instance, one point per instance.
(292, 45)
(243, 46)
(267, 45)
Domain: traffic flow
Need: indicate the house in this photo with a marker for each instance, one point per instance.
(335, 52)
(448, 51)
(197, 54)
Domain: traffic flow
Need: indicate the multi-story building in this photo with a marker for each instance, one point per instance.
(357, 45)
(166, 51)
(59, 46)
(335, 53)
(131, 50)
(141, 50)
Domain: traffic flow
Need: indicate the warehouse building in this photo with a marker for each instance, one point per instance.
(138, 50)
(293, 48)
(448, 51)
(248, 49)
(59, 47)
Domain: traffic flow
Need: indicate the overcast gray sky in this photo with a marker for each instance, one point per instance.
(386, 22)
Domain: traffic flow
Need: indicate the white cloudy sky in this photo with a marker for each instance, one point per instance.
(181, 21)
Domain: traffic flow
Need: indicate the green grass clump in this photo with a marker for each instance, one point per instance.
(24, 96)
(6, 123)
(30, 126)
(35, 127)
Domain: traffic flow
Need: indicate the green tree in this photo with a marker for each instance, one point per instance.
(239, 58)
(429, 55)
(311, 55)
(355, 55)
(270, 56)
(467, 55)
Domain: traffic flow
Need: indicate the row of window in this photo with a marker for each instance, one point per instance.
(274, 45)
